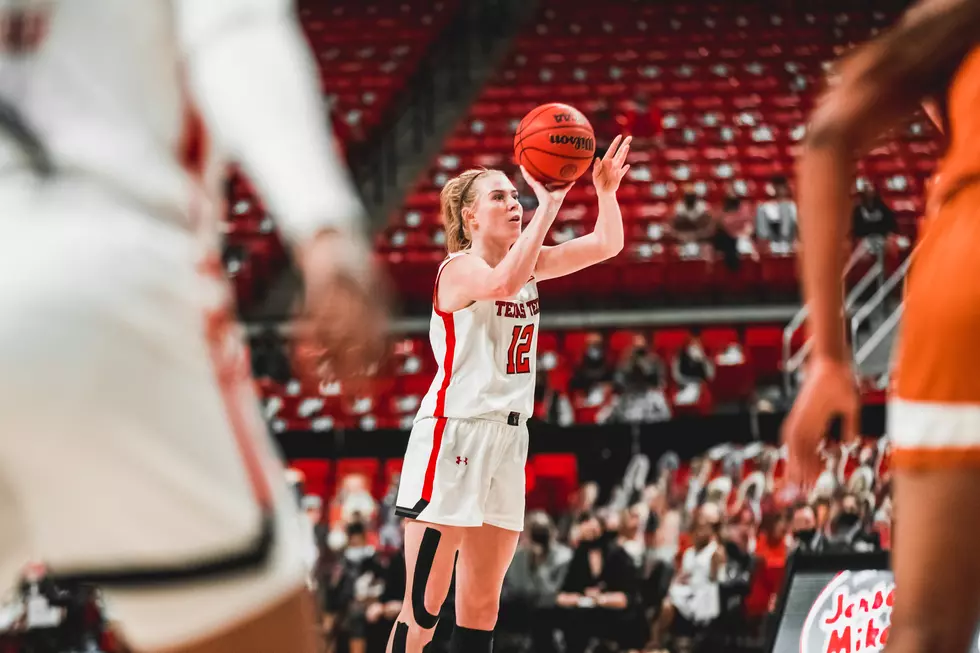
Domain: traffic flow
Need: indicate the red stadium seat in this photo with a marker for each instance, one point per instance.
(764, 346)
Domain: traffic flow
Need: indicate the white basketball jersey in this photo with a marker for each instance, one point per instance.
(487, 357)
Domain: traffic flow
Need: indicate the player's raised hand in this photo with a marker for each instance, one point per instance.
(609, 171)
(829, 392)
(548, 196)
(344, 320)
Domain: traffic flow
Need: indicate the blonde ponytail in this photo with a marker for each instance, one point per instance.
(456, 195)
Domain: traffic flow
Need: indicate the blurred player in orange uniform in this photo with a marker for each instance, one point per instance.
(934, 409)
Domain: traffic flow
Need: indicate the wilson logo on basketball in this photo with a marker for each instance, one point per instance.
(563, 117)
(578, 142)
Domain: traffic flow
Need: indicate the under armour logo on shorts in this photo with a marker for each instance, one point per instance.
(462, 461)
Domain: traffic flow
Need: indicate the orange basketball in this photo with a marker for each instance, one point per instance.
(555, 143)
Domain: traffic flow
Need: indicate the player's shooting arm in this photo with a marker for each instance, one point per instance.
(879, 85)
(606, 240)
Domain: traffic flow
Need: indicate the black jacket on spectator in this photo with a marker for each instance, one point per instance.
(618, 574)
(591, 371)
(737, 578)
(874, 220)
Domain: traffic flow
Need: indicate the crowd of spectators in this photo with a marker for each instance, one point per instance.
(689, 559)
(633, 389)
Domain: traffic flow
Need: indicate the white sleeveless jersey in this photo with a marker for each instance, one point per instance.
(120, 92)
(487, 358)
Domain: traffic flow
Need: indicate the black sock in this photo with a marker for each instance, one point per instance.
(467, 640)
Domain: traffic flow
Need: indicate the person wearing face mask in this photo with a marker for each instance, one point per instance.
(532, 582)
(692, 365)
(776, 218)
(593, 370)
(692, 221)
(847, 529)
(600, 590)
(693, 598)
(550, 404)
(737, 219)
(539, 566)
(640, 380)
(803, 526)
(691, 370)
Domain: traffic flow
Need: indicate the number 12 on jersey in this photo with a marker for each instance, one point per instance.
(518, 355)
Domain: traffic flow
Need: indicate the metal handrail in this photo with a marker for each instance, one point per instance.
(863, 284)
(791, 361)
(880, 295)
(879, 335)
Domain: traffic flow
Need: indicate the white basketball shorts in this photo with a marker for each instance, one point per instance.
(464, 472)
(132, 452)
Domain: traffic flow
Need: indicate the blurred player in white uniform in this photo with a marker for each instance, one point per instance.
(462, 483)
(131, 449)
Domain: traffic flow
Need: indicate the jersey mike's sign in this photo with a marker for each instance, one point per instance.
(852, 614)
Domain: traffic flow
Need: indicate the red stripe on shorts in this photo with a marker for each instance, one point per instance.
(447, 367)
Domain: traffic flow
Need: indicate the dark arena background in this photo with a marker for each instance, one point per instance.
(663, 375)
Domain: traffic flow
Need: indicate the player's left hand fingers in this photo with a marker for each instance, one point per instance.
(613, 148)
(623, 152)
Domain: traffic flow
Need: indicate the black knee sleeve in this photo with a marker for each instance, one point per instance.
(467, 640)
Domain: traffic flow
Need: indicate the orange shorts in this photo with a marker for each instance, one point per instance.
(934, 410)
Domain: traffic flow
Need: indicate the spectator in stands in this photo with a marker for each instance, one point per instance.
(737, 219)
(539, 567)
(602, 584)
(770, 553)
(693, 599)
(381, 613)
(692, 222)
(640, 380)
(533, 581)
(315, 530)
(776, 219)
(355, 498)
(354, 584)
(582, 504)
(871, 216)
(629, 536)
(738, 536)
(691, 370)
(736, 576)
(803, 526)
(550, 404)
(846, 530)
(593, 372)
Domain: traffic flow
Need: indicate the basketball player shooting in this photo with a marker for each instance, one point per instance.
(132, 453)
(934, 407)
(462, 484)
